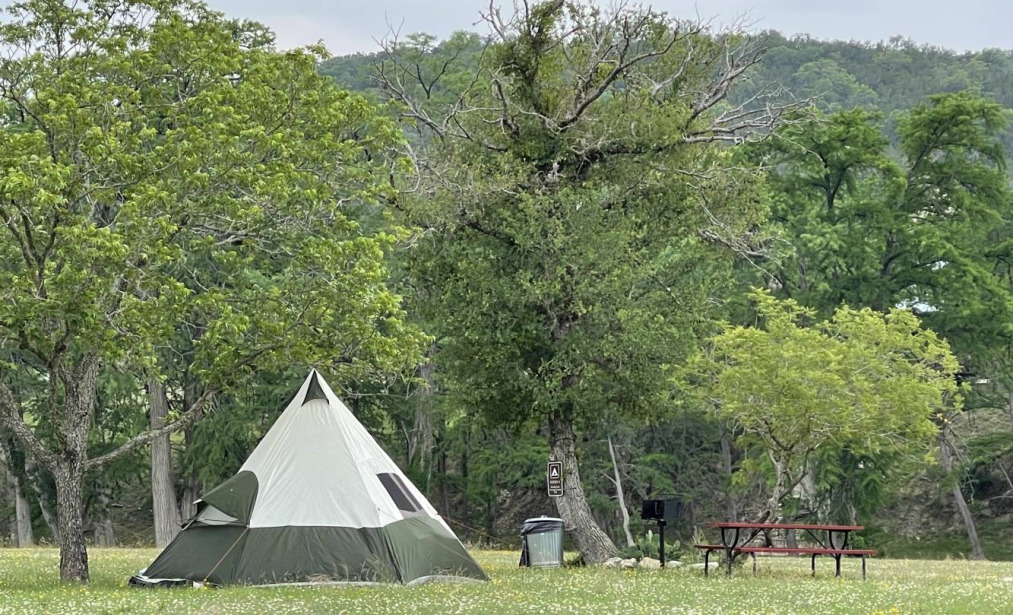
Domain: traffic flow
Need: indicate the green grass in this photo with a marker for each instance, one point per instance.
(995, 535)
(28, 587)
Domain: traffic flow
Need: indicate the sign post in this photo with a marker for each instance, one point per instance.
(554, 479)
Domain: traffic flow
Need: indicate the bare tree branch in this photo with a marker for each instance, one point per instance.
(180, 422)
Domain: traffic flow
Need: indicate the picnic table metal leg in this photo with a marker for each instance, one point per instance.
(730, 548)
(754, 564)
(863, 567)
(837, 560)
(841, 535)
(813, 564)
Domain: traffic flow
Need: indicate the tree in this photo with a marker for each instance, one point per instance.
(862, 382)
(929, 232)
(19, 518)
(835, 87)
(579, 210)
(869, 231)
(154, 160)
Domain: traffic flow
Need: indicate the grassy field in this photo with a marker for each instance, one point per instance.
(28, 586)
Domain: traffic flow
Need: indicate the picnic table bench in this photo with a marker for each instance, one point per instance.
(835, 543)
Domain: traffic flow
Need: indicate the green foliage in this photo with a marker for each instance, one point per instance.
(192, 205)
(213, 203)
(179, 201)
(901, 72)
(567, 259)
(855, 221)
(834, 87)
(798, 390)
(152, 202)
(647, 546)
(870, 231)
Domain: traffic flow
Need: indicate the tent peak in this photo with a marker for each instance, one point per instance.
(315, 390)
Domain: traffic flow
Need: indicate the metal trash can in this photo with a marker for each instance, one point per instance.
(542, 543)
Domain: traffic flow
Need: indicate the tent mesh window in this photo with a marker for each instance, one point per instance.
(397, 491)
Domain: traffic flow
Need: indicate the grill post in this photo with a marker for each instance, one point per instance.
(661, 540)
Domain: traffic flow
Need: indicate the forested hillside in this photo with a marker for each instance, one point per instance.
(889, 77)
(768, 277)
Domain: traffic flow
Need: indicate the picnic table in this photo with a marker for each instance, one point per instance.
(832, 541)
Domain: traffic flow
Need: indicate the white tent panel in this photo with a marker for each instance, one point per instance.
(318, 466)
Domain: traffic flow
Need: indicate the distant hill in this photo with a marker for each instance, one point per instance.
(889, 76)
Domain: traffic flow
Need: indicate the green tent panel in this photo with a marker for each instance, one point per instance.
(235, 497)
(318, 500)
(422, 548)
(207, 554)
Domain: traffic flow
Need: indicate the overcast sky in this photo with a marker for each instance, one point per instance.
(352, 25)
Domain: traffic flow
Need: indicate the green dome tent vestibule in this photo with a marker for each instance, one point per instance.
(318, 500)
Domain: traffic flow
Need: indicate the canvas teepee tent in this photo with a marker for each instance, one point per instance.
(318, 500)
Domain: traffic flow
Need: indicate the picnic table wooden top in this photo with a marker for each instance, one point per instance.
(782, 526)
(792, 550)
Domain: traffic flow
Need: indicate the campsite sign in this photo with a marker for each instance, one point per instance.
(554, 477)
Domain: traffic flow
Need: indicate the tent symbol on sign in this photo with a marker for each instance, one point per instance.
(554, 479)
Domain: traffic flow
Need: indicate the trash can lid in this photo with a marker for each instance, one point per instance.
(540, 525)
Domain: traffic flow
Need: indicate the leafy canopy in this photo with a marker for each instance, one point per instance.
(160, 170)
(863, 382)
(574, 188)
(868, 229)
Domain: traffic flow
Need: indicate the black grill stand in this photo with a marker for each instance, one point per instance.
(661, 541)
(661, 511)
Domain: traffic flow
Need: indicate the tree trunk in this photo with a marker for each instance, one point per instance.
(35, 479)
(622, 498)
(21, 524)
(421, 440)
(8, 496)
(466, 478)
(193, 488)
(594, 545)
(21, 530)
(805, 493)
(490, 509)
(422, 431)
(163, 480)
(773, 512)
(1010, 407)
(68, 467)
(70, 520)
(444, 491)
(104, 534)
(946, 457)
(191, 493)
(726, 465)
